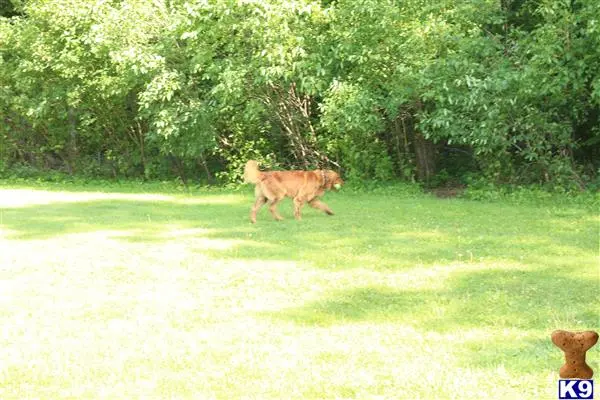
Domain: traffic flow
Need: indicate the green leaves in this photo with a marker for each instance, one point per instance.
(354, 83)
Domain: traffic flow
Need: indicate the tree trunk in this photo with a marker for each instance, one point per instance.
(399, 145)
(202, 162)
(140, 137)
(180, 170)
(425, 154)
(72, 151)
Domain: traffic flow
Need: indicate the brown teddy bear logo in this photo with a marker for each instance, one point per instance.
(574, 345)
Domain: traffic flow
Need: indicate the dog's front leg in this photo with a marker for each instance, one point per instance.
(298, 203)
(260, 201)
(319, 205)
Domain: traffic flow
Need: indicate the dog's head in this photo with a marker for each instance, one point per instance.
(333, 180)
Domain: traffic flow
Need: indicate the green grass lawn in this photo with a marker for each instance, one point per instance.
(142, 295)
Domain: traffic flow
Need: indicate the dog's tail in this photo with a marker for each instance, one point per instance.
(251, 172)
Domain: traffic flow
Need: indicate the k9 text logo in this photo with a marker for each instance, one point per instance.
(575, 389)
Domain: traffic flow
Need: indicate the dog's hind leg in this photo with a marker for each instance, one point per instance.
(272, 207)
(260, 201)
(319, 205)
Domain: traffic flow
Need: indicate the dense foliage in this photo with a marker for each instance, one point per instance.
(451, 90)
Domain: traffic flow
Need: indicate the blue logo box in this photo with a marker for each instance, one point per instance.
(575, 389)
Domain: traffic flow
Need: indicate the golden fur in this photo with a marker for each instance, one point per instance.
(302, 186)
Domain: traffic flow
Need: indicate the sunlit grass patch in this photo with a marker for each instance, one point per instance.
(178, 296)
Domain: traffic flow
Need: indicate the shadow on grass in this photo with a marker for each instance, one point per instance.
(500, 302)
(390, 233)
(146, 220)
(499, 299)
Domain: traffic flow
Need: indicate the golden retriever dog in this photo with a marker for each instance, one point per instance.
(302, 186)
